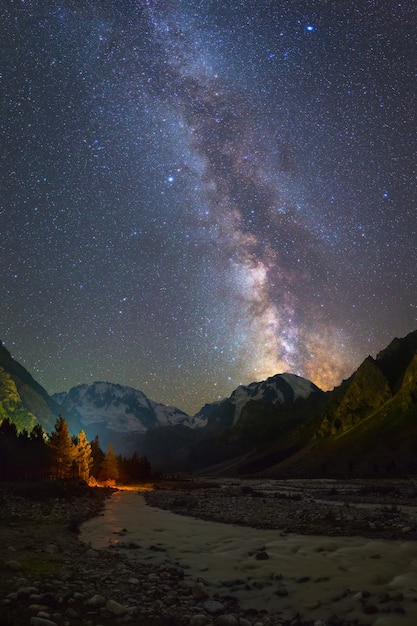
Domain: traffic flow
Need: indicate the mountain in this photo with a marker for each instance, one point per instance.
(283, 426)
(113, 411)
(131, 422)
(24, 401)
(251, 417)
(278, 389)
(366, 426)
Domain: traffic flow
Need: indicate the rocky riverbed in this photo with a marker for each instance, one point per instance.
(384, 509)
(48, 577)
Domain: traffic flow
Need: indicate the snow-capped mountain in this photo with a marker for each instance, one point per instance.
(279, 388)
(276, 389)
(120, 408)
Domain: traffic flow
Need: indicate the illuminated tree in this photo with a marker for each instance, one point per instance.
(63, 450)
(110, 466)
(83, 457)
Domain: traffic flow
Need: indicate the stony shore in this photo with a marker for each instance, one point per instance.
(49, 578)
(368, 508)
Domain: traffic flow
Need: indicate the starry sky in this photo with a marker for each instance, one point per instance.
(199, 194)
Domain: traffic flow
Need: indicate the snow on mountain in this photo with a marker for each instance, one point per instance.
(125, 409)
(276, 389)
(120, 408)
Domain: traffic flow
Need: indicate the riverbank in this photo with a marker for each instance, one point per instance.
(49, 577)
(375, 509)
(129, 567)
(277, 575)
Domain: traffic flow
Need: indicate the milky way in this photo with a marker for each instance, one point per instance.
(200, 194)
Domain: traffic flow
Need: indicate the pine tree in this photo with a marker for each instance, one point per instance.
(83, 457)
(40, 453)
(98, 457)
(8, 449)
(63, 451)
(109, 467)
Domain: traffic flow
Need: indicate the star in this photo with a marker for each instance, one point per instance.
(179, 191)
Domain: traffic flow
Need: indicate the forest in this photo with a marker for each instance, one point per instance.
(59, 456)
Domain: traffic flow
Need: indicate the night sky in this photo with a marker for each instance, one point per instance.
(198, 194)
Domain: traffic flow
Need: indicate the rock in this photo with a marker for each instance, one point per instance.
(14, 565)
(281, 592)
(12, 596)
(244, 622)
(213, 607)
(171, 599)
(26, 591)
(44, 614)
(115, 608)
(303, 579)
(95, 601)
(51, 548)
(369, 608)
(396, 596)
(92, 554)
(262, 556)
(37, 608)
(383, 597)
(226, 620)
(199, 620)
(405, 529)
(49, 599)
(41, 621)
(200, 591)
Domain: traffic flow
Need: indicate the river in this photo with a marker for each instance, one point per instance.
(322, 575)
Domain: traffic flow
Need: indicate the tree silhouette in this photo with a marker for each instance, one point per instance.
(63, 451)
(39, 453)
(134, 468)
(98, 457)
(23, 456)
(8, 449)
(109, 467)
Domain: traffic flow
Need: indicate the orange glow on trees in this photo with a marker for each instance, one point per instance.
(62, 450)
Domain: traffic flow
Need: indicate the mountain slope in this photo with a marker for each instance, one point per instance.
(25, 401)
(256, 414)
(274, 390)
(368, 426)
(120, 408)
(11, 405)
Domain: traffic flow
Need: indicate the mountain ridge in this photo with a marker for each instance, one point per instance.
(282, 426)
(33, 401)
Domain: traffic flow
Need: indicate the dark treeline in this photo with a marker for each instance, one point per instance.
(35, 456)
(23, 456)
